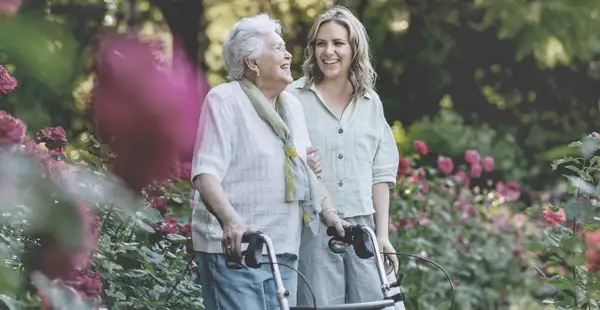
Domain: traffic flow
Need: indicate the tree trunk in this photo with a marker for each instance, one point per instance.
(186, 21)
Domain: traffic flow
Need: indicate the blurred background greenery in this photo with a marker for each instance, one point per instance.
(514, 78)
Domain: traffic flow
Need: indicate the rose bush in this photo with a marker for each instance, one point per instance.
(568, 254)
(75, 237)
(475, 231)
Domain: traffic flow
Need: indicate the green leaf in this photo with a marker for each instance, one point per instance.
(560, 282)
(136, 273)
(588, 146)
(176, 237)
(583, 186)
(575, 209)
(574, 169)
(569, 243)
(9, 302)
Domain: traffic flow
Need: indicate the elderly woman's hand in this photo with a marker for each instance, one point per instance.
(233, 230)
(314, 161)
(332, 219)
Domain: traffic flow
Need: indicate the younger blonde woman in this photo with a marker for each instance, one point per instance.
(346, 124)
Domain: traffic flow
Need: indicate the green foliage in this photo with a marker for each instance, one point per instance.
(570, 244)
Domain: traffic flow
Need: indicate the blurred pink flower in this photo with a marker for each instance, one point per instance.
(475, 171)
(445, 165)
(424, 187)
(466, 210)
(463, 178)
(592, 244)
(488, 164)
(472, 157)
(500, 222)
(518, 220)
(146, 114)
(423, 219)
(406, 223)
(7, 82)
(403, 166)
(393, 227)
(9, 7)
(12, 130)
(421, 148)
(508, 191)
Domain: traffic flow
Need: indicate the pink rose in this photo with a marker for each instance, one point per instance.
(472, 157)
(475, 171)
(53, 138)
(555, 219)
(421, 148)
(12, 130)
(7, 82)
(488, 164)
(445, 165)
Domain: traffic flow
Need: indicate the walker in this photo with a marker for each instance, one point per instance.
(364, 241)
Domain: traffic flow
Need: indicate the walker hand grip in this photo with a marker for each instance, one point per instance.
(356, 236)
(253, 254)
(348, 231)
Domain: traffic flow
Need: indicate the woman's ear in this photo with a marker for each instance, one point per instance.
(252, 66)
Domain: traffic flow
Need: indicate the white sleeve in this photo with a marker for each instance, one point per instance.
(214, 141)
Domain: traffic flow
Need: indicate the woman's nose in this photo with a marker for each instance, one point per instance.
(329, 49)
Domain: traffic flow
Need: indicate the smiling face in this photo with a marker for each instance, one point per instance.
(273, 65)
(333, 51)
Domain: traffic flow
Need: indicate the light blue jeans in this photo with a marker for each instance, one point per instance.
(247, 288)
(336, 278)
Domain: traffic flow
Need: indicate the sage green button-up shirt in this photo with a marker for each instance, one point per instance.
(357, 151)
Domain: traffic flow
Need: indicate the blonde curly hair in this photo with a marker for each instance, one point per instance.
(362, 76)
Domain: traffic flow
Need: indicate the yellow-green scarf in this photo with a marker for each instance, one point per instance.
(300, 181)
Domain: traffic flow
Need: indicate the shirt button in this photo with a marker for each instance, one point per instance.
(340, 130)
(340, 156)
(340, 183)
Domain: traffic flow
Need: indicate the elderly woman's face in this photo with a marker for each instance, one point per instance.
(275, 61)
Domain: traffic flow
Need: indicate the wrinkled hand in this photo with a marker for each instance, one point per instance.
(331, 219)
(314, 161)
(233, 230)
(385, 246)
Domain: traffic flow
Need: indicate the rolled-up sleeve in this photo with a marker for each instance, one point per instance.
(213, 150)
(385, 164)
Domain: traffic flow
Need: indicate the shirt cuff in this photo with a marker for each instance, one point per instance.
(385, 179)
(205, 169)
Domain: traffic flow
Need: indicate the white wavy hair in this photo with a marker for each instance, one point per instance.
(245, 41)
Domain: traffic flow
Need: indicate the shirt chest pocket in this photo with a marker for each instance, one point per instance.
(366, 139)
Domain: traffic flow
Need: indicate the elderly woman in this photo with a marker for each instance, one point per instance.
(360, 156)
(250, 170)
